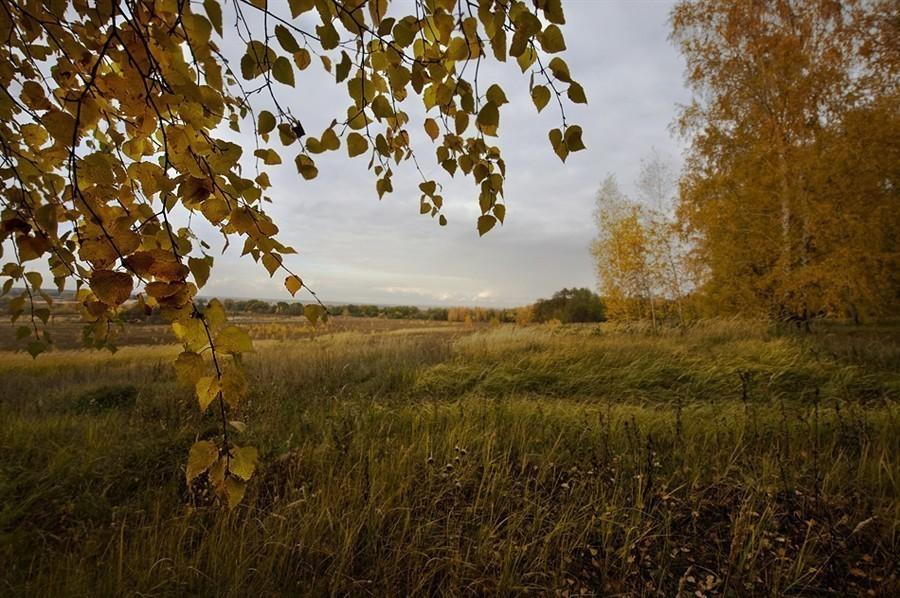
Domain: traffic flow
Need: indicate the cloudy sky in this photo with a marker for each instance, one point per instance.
(354, 248)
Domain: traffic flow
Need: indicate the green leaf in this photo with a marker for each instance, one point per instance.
(256, 60)
(526, 59)
(384, 185)
(553, 11)
(381, 107)
(330, 141)
(248, 66)
(461, 120)
(404, 33)
(35, 348)
(342, 70)
(328, 36)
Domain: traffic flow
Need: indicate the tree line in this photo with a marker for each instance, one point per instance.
(567, 306)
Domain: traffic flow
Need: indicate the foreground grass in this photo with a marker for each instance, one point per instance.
(722, 460)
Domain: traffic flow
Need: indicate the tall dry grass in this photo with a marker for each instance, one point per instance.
(724, 459)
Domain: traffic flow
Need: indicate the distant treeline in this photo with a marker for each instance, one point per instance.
(566, 306)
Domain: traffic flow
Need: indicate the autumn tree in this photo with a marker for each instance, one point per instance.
(668, 250)
(792, 182)
(623, 255)
(639, 252)
(524, 315)
(112, 131)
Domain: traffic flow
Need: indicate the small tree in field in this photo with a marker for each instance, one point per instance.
(639, 253)
(624, 255)
(111, 118)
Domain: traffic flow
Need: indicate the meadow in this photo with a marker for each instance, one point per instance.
(725, 458)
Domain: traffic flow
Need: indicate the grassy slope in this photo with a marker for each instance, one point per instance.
(567, 459)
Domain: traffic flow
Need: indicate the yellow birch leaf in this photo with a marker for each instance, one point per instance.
(203, 453)
(232, 339)
(243, 461)
(234, 492)
(207, 389)
(110, 287)
(293, 284)
(189, 368)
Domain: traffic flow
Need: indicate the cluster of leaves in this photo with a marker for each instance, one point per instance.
(229, 465)
(111, 132)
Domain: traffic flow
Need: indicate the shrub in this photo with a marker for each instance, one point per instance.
(106, 397)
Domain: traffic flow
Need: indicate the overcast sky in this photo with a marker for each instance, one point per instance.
(354, 248)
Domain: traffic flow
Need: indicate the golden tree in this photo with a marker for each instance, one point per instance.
(624, 255)
(792, 181)
(112, 122)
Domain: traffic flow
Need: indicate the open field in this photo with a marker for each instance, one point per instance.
(67, 329)
(412, 459)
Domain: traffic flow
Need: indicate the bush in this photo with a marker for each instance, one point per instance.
(106, 397)
(570, 305)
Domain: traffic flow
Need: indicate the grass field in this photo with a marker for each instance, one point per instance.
(406, 459)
